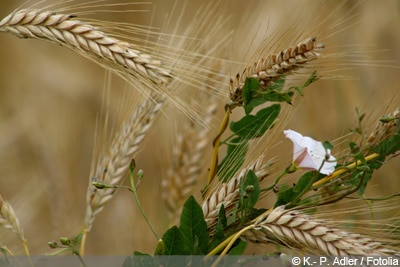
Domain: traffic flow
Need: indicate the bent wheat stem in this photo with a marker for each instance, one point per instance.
(343, 170)
(216, 143)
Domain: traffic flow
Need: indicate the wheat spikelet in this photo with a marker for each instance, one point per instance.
(115, 165)
(228, 194)
(9, 220)
(271, 68)
(85, 39)
(294, 229)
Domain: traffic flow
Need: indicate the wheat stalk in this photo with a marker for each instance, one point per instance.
(228, 193)
(271, 68)
(85, 39)
(294, 229)
(115, 165)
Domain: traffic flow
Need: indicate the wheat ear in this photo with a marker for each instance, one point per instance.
(228, 194)
(272, 67)
(294, 229)
(187, 163)
(9, 220)
(85, 39)
(115, 165)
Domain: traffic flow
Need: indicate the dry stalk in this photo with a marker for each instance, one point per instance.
(271, 68)
(187, 164)
(115, 165)
(294, 229)
(9, 220)
(85, 39)
(228, 194)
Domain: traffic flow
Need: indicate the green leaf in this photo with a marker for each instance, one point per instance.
(285, 195)
(293, 195)
(388, 146)
(252, 126)
(249, 191)
(194, 227)
(251, 85)
(253, 103)
(221, 224)
(233, 159)
(76, 240)
(141, 260)
(238, 248)
(361, 179)
(313, 78)
(175, 242)
(327, 145)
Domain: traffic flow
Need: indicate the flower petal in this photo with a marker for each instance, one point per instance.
(310, 154)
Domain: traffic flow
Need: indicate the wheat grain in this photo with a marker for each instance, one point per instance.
(294, 229)
(85, 39)
(115, 165)
(271, 68)
(228, 194)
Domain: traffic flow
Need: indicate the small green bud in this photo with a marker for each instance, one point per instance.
(386, 119)
(65, 241)
(98, 185)
(160, 249)
(140, 173)
(132, 165)
(52, 244)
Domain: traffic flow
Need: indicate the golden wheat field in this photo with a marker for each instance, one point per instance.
(54, 103)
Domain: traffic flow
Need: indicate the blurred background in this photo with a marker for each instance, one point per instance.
(50, 99)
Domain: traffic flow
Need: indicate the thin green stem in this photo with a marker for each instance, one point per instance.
(134, 192)
(286, 171)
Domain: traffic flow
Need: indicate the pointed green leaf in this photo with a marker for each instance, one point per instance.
(285, 195)
(388, 146)
(194, 227)
(252, 126)
(249, 191)
(313, 78)
(175, 242)
(253, 103)
(221, 224)
(238, 248)
(251, 85)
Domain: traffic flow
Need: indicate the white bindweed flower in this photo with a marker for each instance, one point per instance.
(310, 154)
